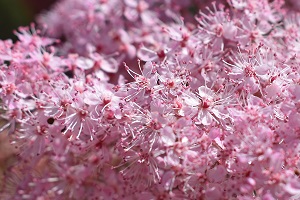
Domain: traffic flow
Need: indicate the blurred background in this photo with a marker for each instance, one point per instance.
(15, 13)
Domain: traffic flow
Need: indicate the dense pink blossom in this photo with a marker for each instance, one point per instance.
(107, 99)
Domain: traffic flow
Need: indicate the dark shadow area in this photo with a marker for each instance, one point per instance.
(15, 13)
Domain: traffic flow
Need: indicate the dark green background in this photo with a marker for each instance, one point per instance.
(15, 13)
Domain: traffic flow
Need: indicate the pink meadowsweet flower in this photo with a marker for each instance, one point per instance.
(216, 27)
(141, 100)
(5, 50)
(207, 105)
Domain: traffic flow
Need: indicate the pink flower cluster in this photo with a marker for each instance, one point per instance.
(139, 99)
